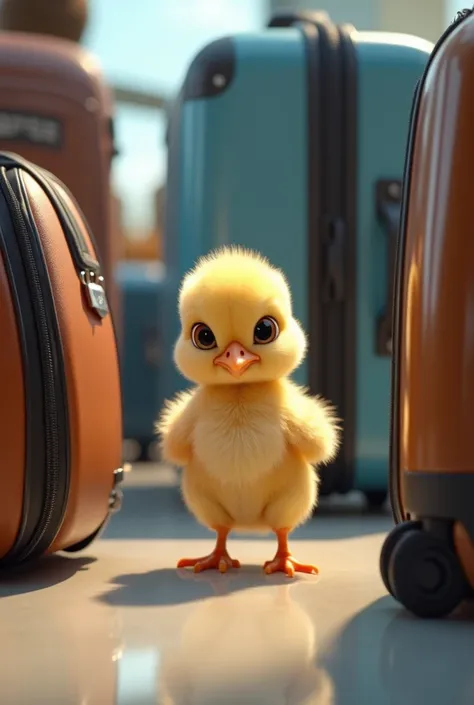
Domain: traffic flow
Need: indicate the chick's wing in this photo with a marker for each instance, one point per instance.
(310, 424)
(175, 427)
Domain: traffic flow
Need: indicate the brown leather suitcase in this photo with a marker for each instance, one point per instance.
(60, 417)
(427, 561)
(56, 111)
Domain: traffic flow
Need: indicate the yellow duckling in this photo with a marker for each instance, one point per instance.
(246, 436)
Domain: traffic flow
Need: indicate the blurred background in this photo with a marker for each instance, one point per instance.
(145, 47)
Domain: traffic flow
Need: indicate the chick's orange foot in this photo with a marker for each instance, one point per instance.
(217, 560)
(285, 563)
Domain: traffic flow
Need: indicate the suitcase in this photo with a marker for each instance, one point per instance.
(56, 111)
(291, 141)
(427, 561)
(141, 286)
(60, 421)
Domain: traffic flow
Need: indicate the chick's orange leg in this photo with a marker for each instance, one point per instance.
(219, 559)
(284, 561)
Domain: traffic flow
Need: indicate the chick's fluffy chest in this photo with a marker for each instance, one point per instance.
(238, 435)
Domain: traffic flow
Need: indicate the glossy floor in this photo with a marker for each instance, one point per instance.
(120, 625)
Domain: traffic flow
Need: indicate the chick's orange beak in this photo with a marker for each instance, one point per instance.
(236, 359)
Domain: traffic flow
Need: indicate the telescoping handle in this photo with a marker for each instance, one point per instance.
(388, 197)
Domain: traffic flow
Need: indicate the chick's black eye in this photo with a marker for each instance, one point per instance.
(266, 331)
(202, 337)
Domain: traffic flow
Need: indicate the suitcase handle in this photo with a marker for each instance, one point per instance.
(287, 19)
(388, 195)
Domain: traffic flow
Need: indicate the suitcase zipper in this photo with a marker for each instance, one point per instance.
(48, 524)
(394, 475)
(89, 269)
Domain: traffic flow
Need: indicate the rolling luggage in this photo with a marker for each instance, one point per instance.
(291, 141)
(141, 286)
(60, 420)
(56, 111)
(427, 561)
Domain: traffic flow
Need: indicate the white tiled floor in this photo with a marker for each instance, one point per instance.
(121, 625)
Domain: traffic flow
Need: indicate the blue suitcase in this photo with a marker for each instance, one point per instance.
(291, 141)
(141, 285)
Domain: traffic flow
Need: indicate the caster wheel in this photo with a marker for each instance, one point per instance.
(375, 499)
(389, 545)
(425, 575)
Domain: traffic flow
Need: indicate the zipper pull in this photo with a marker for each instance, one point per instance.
(94, 286)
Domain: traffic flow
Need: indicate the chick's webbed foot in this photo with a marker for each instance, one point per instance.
(219, 559)
(284, 561)
(287, 564)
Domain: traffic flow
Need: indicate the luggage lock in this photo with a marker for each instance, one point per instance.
(94, 287)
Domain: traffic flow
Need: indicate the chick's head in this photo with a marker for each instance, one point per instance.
(237, 324)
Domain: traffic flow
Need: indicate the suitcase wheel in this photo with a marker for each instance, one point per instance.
(422, 571)
(388, 547)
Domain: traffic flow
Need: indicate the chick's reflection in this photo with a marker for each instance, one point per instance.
(256, 646)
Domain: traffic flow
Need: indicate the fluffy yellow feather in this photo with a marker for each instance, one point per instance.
(246, 436)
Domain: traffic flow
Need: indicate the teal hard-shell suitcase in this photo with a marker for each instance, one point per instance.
(291, 141)
(141, 285)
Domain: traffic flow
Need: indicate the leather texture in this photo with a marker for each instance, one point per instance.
(12, 419)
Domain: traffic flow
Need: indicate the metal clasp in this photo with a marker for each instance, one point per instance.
(96, 296)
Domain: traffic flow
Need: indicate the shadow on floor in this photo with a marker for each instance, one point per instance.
(170, 586)
(159, 513)
(45, 573)
(385, 655)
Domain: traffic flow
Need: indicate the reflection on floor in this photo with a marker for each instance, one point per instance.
(120, 625)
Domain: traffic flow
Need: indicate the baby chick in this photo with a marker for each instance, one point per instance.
(246, 436)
